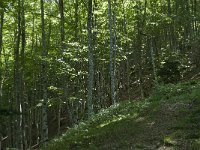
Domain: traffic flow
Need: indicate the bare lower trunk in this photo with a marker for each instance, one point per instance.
(1, 137)
(153, 63)
(141, 83)
(59, 113)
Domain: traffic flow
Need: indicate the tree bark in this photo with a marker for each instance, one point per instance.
(90, 58)
(17, 86)
(62, 25)
(1, 47)
(114, 52)
(153, 63)
(62, 45)
(1, 137)
(112, 78)
(44, 79)
(76, 19)
(22, 97)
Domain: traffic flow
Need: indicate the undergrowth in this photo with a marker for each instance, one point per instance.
(168, 119)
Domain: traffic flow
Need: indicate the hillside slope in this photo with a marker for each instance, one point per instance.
(169, 120)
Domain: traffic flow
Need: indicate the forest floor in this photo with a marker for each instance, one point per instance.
(168, 120)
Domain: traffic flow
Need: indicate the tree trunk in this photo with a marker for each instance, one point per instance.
(1, 47)
(153, 63)
(62, 45)
(138, 57)
(22, 97)
(62, 25)
(17, 86)
(112, 78)
(114, 52)
(1, 137)
(1, 29)
(76, 19)
(90, 58)
(44, 80)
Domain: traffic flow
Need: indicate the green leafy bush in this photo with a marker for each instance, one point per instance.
(170, 72)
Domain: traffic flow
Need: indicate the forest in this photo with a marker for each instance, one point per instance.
(67, 66)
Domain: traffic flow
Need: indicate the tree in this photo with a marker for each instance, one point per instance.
(44, 79)
(112, 70)
(90, 59)
(1, 46)
(62, 37)
(23, 109)
(18, 102)
(83, 63)
(76, 4)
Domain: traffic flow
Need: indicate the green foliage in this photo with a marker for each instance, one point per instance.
(171, 92)
(196, 144)
(170, 118)
(169, 27)
(170, 72)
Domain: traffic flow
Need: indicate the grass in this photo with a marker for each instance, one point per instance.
(168, 120)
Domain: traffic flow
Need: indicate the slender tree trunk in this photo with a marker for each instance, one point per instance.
(114, 52)
(139, 49)
(49, 36)
(1, 29)
(33, 34)
(126, 50)
(65, 95)
(1, 47)
(96, 71)
(98, 87)
(11, 135)
(44, 80)
(34, 127)
(103, 87)
(169, 7)
(62, 33)
(90, 57)
(59, 115)
(141, 82)
(111, 54)
(153, 62)
(124, 17)
(195, 15)
(62, 24)
(76, 19)
(22, 97)
(17, 86)
(1, 137)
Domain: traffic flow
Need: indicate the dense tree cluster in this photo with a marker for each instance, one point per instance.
(61, 61)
